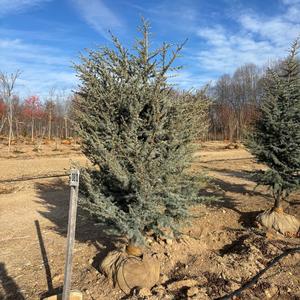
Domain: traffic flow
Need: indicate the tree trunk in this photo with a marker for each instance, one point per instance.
(17, 129)
(66, 128)
(2, 124)
(10, 133)
(215, 133)
(32, 129)
(133, 249)
(49, 124)
(277, 204)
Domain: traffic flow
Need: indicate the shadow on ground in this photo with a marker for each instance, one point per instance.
(238, 192)
(243, 174)
(54, 196)
(9, 287)
(221, 188)
(234, 187)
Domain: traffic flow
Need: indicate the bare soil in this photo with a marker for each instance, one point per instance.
(220, 248)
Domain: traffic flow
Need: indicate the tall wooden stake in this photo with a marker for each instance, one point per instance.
(74, 184)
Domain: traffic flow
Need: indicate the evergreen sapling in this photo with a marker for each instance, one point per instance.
(137, 132)
(275, 140)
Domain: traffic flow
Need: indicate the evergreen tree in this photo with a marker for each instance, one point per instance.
(137, 132)
(275, 140)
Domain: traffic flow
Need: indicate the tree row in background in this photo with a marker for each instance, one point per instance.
(235, 103)
(31, 117)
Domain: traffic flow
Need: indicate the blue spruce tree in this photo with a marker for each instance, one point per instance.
(137, 131)
(275, 140)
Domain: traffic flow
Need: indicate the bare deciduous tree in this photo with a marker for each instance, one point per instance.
(236, 100)
(7, 85)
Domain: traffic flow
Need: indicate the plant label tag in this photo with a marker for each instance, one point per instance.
(74, 177)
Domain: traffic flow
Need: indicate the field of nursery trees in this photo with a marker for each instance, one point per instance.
(128, 186)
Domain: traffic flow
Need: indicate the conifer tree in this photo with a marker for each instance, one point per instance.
(137, 132)
(275, 140)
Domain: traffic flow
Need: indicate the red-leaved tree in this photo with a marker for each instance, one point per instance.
(33, 110)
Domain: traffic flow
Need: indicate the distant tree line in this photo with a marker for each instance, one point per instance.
(235, 103)
(33, 117)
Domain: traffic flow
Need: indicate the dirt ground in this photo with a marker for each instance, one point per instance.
(220, 248)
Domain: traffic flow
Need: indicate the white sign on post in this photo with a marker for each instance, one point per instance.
(74, 178)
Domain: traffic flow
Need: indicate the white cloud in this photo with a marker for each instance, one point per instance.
(98, 16)
(175, 15)
(30, 82)
(258, 40)
(188, 80)
(30, 53)
(277, 30)
(226, 51)
(293, 10)
(17, 6)
(288, 2)
(42, 67)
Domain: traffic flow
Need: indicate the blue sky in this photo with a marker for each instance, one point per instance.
(43, 37)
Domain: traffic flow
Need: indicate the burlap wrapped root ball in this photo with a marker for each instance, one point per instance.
(280, 221)
(129, 271)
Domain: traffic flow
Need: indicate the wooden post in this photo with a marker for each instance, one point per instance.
(74, 184)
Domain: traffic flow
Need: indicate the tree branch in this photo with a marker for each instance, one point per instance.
(254, 279)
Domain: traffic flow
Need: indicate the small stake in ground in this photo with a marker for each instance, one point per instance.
(67, 294)
(74, 184)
